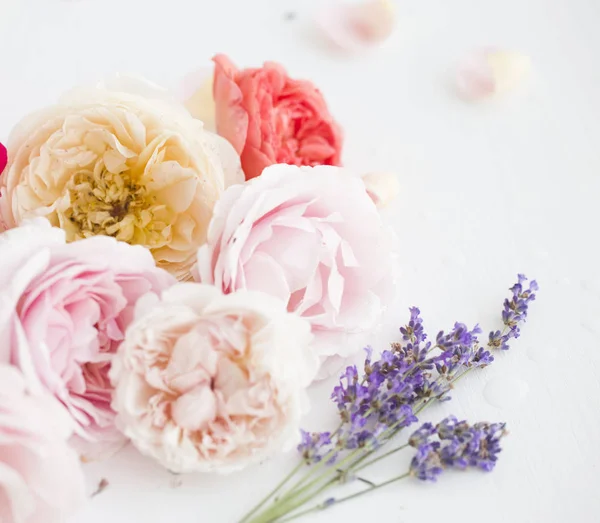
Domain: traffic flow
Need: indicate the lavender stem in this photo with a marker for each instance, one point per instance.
(330, 503)
(273, 492)
(388, 453)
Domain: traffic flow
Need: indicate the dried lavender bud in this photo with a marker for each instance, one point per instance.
(460, 446)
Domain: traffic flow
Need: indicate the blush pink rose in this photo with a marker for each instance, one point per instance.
(212, 382)
(41, 480)
(271, 118)
(64, 312)
(311, 237)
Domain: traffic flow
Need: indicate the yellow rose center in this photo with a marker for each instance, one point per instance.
(113, 204)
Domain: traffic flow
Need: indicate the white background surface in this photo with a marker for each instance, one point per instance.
(487, 191)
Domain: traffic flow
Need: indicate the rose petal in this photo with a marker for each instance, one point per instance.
(195, 409)
(382, 187)
(509, 68)
(354, 27)
(262, 273)
(196, 92)
(490, 72)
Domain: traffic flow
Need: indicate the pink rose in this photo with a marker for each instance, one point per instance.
(41, 480)
(3, 158)
(311, 237)
(270, 118)
(64, 312)
(206, 381)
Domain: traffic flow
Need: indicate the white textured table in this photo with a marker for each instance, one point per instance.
(487, 191)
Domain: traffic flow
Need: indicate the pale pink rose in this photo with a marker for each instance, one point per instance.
(271, 118)
(64, 312)
(311, 237)
(206, 381)
(41, 480)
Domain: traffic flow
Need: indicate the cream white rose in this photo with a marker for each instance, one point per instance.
(206, 381)
(135, 166)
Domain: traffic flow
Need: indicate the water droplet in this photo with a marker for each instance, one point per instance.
(504, 392)
(540, 352)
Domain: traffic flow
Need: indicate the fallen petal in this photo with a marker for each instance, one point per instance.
(490, 72)
(354, 27)
(509, 69)
(382, 187)
(474, 78)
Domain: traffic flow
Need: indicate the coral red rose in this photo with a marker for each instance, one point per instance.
(271, 118)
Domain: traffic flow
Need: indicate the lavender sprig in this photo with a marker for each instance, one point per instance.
(460, 446)
(514, 313)
(376, 404)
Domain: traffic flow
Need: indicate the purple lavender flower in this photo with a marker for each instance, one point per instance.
(460, 350)
(451, 455)
(426, 464)
(497, 340)
(414, 330)
(381, 401)
(421, 435)
(350, 396)
(460, 446)
(313, 446)
(459, 336)
(514, 313)
(375, 404)
(389, 393)
(450, 428)
(482, 358)
(485, 447)
(361, 439)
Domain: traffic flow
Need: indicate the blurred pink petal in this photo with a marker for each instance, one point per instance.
(382, 187)
(490, 72)
(354, 26)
